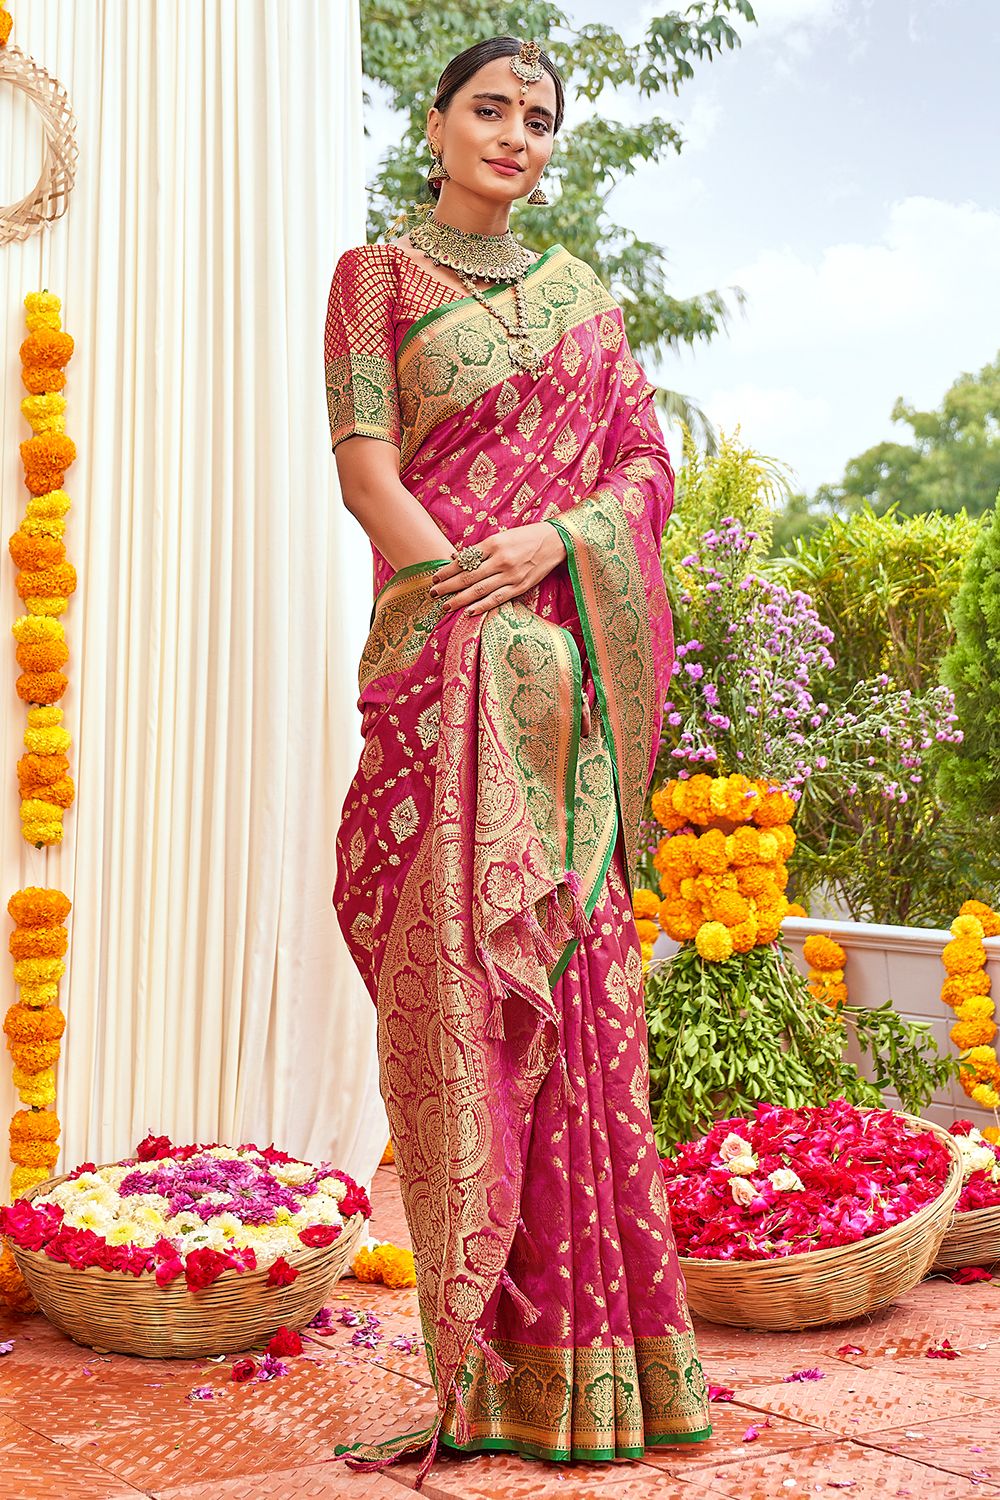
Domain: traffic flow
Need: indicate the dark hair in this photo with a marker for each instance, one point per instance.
(462, 67)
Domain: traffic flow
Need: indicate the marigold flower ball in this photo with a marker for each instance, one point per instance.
(42, 1155)
(647, 932)
(38, 906)
(960, 987)
(822, 952)
(23, 1179)
(13, 1288)
(962, 955)
(34, 1125)
(988, 919)
(38, 942)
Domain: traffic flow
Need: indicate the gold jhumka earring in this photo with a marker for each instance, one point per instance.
(438, 171)
(537, 195)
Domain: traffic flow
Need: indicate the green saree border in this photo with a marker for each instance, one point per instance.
(490, 292)
(401, 574)
(570, 1455)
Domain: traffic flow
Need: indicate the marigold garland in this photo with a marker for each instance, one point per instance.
(967, 990)
(827, 961)
(722, 864)
(34, 1025)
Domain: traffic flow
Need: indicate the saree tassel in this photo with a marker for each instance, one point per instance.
(544, 946)
(529, 1312)
(568, 1092)
(427, 1459)
(497, 1367)
(536, 1049)
(494, 1022)
(463, 1432)
(580, 922)
(530, 1244)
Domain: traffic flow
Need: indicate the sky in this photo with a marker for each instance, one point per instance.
(843, 167)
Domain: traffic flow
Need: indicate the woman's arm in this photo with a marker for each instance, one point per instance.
(395, 521)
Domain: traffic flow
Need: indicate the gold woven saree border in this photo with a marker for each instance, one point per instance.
(361, 398)
(585, 1403)
(403, 616)
(447, 365)
(611, 601)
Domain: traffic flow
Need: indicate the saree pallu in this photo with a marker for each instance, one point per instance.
(484, 873)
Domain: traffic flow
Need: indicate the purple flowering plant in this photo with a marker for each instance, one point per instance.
(744, 691)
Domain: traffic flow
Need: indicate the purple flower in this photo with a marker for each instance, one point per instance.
(201, 1393)
(270, 1369)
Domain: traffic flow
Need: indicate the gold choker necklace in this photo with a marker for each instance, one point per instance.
(490, 257)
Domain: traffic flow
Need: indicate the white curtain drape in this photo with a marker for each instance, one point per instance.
(223, 592)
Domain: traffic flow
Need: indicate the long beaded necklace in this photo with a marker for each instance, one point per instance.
(491, 257)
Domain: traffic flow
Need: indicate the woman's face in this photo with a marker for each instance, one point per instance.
(496, 134)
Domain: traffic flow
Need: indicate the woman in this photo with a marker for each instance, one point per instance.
(497, 441)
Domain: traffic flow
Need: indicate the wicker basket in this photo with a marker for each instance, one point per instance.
(827, 1286)
(972, 1240)
(132, 1315)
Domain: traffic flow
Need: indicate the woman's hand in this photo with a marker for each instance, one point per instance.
(514, 562)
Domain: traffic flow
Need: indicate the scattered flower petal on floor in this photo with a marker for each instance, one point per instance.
(201, 1393)
(944, 1350)
(6, 1346)
(720, 1393)
(850, 1349)
(404, 1343)
(270, 1369)
(365, 1338)
(323, 1321)
(805, 1375)
(753, 1432)
(966, 1275)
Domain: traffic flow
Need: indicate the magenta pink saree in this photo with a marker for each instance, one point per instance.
(484, 865)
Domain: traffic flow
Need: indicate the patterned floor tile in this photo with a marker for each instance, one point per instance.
(967, 1445)
(839, 1469)
(507, 1475)
(764, 1368)
(859, 1400)
(34, 1468)
(315, 1482)
(730, 1422)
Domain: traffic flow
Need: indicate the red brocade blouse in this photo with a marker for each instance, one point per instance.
(377, 294)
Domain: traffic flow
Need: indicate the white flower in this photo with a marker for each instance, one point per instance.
(977, 1156)
(743, 1166)
(292, 1173)
(784, 1180)
(734, 1145)
(743, 1192)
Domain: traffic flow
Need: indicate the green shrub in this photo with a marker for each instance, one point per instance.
(969, 776)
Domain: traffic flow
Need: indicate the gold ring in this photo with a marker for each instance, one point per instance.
(470, 558)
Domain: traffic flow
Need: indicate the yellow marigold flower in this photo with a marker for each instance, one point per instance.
(37, 1088)
(967, 926)
(646, 951)
(396, 1265)
(54, 503)
(962, 955)
(785, 835)
(713, 942)
(38, 970)
(987, 917)
(981, 1057)
(975, 1008)
(39, 994)
(986, 1095)
(821, 952)
(46, 413)
(689, 890)
(644, 903)
(42, 310)
(768, 846)
(647, 931)
(23, 1179)
(54, 741)
(967, 1034)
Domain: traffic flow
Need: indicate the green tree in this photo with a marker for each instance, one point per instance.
(951, 464)
(969, 777)
(406, 43)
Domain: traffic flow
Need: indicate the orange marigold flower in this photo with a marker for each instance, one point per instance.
(13, 1288)
(39, 379)
(48, 656)
(962, 955)
(35, 1125)
(960, 987)
(821, 952)
(711, 855)
(967, 1034)
(754, 880)
(644, 904)
(38, 942)
(33, 1057)
(38, 906)
(396, 1265)
(6, 27)
(729, 908)
(41, 687)
(744, 935)
(42, 1154)
(775, 806)
(680, 919)
(58, 581)
(746, 847)
(35, 551)
(647, 931)
(796, 910)
(987, 917)
(47, 346)
(27, 1023)
(365, 1266)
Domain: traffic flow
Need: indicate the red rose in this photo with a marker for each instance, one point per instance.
(355, 1201)
(281, 1273)
(243, 1369)
(284, 1341)
(153, 1148)
(168, 1271)
(273, 1155)
(319, 1234)
(204, 1266)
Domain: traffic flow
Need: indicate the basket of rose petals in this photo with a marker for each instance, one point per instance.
(797, 1217)
(974, 1236)
(185, 1251)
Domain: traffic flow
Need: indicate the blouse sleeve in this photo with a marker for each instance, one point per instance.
(359, 347)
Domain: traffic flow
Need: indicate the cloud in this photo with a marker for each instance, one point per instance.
(829, 340)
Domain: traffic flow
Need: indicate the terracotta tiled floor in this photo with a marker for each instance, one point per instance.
(885, 1421)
